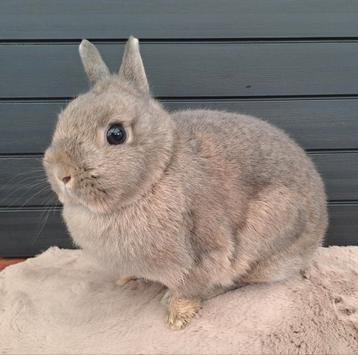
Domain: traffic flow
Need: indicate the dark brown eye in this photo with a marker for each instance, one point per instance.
(116, 134)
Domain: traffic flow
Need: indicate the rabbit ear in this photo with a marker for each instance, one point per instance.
(92, 62)
(132, 69)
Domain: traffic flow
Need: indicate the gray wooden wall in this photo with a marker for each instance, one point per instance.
(293, 63)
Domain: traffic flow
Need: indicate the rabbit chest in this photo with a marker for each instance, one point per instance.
(132, 243)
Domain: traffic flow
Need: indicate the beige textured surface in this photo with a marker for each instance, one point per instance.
(60, 302)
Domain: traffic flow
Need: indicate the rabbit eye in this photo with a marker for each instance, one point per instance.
(116, 134)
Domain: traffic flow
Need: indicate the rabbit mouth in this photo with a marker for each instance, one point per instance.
(69, 193)
(67, 196)
(88, 200)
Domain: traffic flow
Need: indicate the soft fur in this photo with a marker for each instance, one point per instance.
(200, 201)
(62, 303)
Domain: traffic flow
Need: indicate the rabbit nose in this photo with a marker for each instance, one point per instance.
(66, 179)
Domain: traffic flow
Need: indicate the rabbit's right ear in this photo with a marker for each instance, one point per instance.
(132, 68)
(93, 63)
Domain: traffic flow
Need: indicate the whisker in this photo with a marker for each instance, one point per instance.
(34, 195)
(20, 177)
(38, 184)
(43, 222)
(42, 226)
(19, 180)
(50, 200)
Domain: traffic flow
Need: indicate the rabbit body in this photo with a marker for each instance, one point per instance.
(200, 201)
(239, 202)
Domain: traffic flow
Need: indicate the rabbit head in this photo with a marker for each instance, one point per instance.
(112, 143)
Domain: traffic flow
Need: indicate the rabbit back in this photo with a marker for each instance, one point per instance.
(259, 183)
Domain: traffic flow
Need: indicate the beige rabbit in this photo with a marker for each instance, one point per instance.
(200, 201)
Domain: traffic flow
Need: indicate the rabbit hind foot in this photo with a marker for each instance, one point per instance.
(181, 311)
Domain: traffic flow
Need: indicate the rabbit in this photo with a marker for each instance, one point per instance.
(199, 201)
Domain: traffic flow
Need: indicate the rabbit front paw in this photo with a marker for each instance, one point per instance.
(181, 311)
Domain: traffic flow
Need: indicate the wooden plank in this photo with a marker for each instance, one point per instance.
(204, 69)
(67, 19)
(343, 229)
(26, 232)
(21, 235)
(340, 173)
(27, 127)
(22, 180)
(315, 124)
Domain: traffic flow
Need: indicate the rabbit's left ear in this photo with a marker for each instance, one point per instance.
(92, 62)
(132, 69)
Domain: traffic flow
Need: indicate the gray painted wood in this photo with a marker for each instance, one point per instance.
(191, 69)
(26, 232)
(343, 229)
(244, 56)
(22, 178)
(33, 235)
(340, 173)
(26, 127)
(66, 19)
